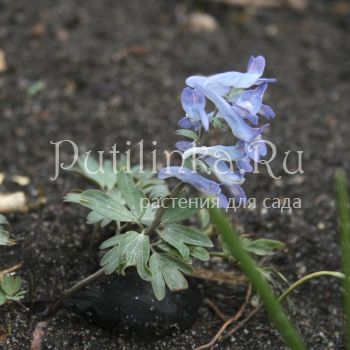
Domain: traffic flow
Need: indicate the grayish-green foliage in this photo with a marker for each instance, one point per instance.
(161, 257)
(164, 255)
(4, 235)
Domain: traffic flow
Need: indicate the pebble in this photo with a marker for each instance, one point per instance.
(199, 22)
(127, 304)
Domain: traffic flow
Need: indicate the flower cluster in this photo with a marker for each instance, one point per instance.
(237, 100)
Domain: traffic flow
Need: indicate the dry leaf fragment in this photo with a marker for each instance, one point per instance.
(20, 180)
(2, 178)
(13, 202)
(3, 64)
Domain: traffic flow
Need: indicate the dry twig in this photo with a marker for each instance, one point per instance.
(9, 270)
(231, 320)
(219, 276)
(217, 310)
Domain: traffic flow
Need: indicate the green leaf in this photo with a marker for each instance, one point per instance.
(200, 253)
(166, 248)
(204, 218)
(129, 249)
(104, 176)
(3, 220)
(11, 285)
(105, 205)
(110, 177)
(132, 195)
(179, 211)
(149, 215)
(111, 242)
(117, 195)
(158, 191)
(180, 236)
(4, 235)
(142, 176)
(137, 254)
(35, 88)
(4, 238)
(262, 246)
(3, 298)
(187, 133)
(113, 259)
(72, 198)
(217, 123)
(94, 218)
(158, 283)
(168, 270)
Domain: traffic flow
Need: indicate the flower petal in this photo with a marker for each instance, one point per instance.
(236, 191)
(202, 184)
(256, 149)
(184, 145)
(226, 152)
(266, 111)
(237, 125)
(193, 103)
(256, 65)
(186, 123)
(244, 165)
(226, 80)
(223, 172)
(252, 99)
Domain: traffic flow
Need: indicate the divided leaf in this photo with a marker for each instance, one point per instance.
(180, 236)
(10, 289)
(102, 175)
(4, 235)
(200, 253)
(3, 220)
(11, 285)
(5, 238)
(129, 249)
(102, 204)
(168, 270)
(132, 195)
(262, 246)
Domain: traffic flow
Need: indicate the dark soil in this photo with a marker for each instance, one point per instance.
(113, 71)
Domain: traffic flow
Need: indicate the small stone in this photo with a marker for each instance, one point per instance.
(321, 226)
(199, 22)
(38, 30)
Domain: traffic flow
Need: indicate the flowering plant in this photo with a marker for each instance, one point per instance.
(153, 240)
(237, 99)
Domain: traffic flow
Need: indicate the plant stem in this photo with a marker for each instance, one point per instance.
(219, 255)
(174, 193)
(344, 225)
(81, 284)
(306, 278)
(276, 312)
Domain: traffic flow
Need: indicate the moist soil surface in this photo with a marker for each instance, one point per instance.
(105, 72)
